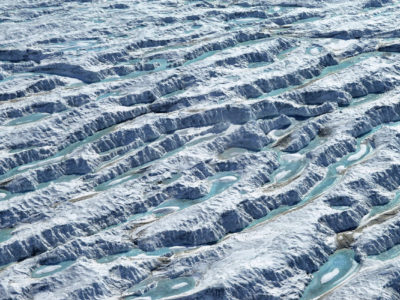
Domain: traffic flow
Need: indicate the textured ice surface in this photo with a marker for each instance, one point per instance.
(199, 149)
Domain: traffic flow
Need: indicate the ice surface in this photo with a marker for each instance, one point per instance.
(199, 149)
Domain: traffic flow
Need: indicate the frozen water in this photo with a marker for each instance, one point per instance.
(48, 269)
(336, 269)
(359, 154)
(199, 149)
(329, 276)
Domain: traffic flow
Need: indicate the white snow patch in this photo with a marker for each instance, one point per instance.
(116, 181)
(281, 174)
(178, 248)
(2, 195)
(314, 51)
(339, 45)
(340, 169)
(48, 269)
(329, 276)
(179, 285)
(292, 157)
(359, 154)
(227, 178)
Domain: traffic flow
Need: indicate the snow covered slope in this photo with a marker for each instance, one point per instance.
(188, 149)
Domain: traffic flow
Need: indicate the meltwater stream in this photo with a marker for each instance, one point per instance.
(27, 119)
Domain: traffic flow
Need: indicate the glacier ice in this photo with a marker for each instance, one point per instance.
(199, 149)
